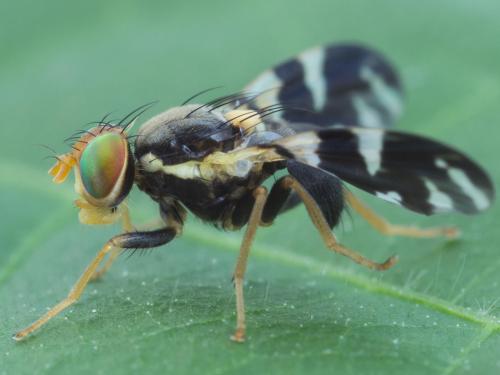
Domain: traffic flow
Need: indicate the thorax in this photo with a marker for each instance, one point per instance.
(190, 159)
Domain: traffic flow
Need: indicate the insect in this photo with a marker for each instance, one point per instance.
(323, 117)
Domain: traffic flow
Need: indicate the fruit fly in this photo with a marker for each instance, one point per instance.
(323, 117)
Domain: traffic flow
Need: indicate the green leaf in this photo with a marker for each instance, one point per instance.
(309, 310)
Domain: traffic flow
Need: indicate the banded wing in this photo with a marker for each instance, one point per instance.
(415, 172)
(331, 85)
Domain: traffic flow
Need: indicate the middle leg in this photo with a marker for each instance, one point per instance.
(260, 195)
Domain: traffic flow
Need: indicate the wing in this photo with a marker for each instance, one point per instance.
(412, 171)
(331, 85)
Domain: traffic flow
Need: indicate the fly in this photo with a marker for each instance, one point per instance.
(324, 117)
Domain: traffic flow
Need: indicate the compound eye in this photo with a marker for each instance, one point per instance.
(102, 165)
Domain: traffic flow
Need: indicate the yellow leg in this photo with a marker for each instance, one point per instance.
(73, 295)
(241, 264)
(384, 227)
(113, 255)
(324, 229)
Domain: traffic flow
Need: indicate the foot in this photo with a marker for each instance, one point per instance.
(451, 233)
(97, 275)
(239, 335)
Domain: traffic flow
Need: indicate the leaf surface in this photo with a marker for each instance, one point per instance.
(172, 310)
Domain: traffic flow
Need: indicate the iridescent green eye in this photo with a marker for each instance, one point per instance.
(102, 164)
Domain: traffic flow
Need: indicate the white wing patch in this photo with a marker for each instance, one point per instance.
(367, 115)
(481, 201)
(370, 148)
(390, 196)
(312, 63)
(266, 86)
(440, 201)
(389, 97)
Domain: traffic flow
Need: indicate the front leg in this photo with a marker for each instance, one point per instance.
(113, 255)
(134, 240)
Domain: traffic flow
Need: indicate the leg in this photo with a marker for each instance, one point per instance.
(133, 240)
(241, 213)
(241, 264)
(127, 227)
(99, 273)
(276, 202)
(384, 227)
(323, 227)
(324, 188)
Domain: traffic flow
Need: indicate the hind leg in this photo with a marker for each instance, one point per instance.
(384, 227)
(317, 217)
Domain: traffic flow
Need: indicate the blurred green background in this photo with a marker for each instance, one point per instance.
(63, 65)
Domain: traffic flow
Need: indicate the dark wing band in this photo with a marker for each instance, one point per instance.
(331, 85)
(415, 172)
